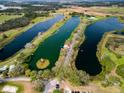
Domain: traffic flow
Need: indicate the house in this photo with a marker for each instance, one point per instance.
(66, 46)
(92, 18)
(3, 68)
(29, 45)
(67, 90)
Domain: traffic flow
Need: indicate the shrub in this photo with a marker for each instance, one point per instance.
(120, 70)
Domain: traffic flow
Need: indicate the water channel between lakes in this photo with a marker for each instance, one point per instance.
(86, 59)
(50, 48)
(20, 41)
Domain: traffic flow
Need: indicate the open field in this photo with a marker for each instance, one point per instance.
(5, 17)
(96, 11)
(113, 10)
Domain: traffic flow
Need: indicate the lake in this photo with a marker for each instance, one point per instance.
(86, 59)
(50, 48)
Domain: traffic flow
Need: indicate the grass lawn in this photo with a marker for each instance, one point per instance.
(114, 58)
(14, 84)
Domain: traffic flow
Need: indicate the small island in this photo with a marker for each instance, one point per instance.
(42, 63)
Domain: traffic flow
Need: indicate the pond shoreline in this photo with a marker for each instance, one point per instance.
(89, 47)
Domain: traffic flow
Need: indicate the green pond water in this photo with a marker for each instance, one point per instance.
(50, 48)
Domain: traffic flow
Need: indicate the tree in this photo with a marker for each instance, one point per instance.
(39, 75)
(33, 75)
(39, 85)
(46, 73)
(19, 69)
(4, 74)
(21, 58)
(84, 77)
(5, 36)
(28, 73)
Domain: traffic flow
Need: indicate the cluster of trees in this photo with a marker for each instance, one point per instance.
(40, 78)
(19, 67)
(121, 19)
(76, 77)
(39, 85)
(76, 14)
(80, 14)
(120, 70)
(3, 36)
(14, 23)
(18, 70)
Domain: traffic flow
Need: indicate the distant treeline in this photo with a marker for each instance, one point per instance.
(80, 14)
(100, 3)
(76, 14)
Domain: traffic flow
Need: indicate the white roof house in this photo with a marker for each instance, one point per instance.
(67, 90)
(3, 68)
